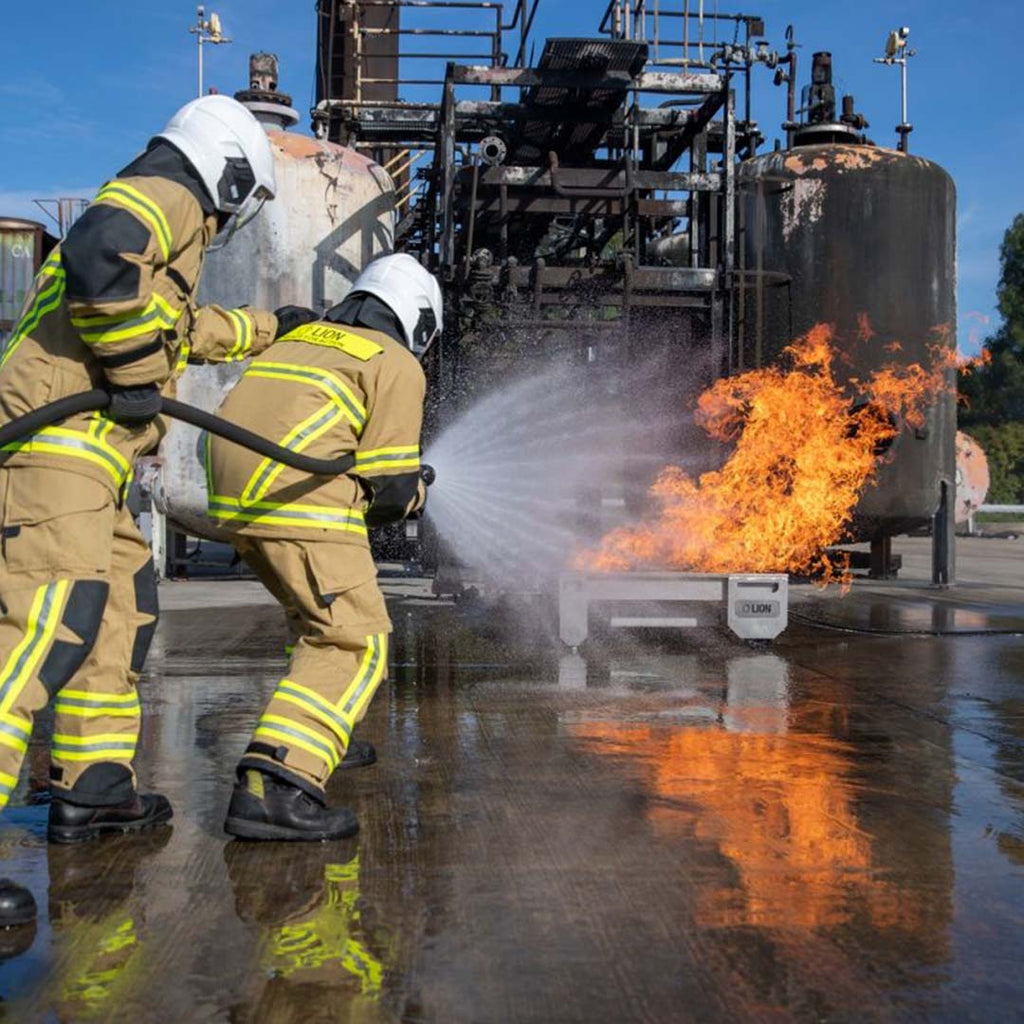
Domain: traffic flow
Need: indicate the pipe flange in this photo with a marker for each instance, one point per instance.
(493, 150)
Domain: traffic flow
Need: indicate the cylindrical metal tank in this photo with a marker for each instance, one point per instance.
(972, 477)
(862, 238)
(333, 213)
(24, 244)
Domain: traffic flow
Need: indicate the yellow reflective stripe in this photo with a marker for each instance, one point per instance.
(350, 513)
(243, 335)
(77, 444)
(400, 457)
(109, 746)
(20, 725)
(274, 514)
(358, 960)
(14, 742)
(293, 733)
(311, 428)
(364, 686)
(208, 461)
(95, 696)
(315, 705)
(184, 351)
(80, 712)
(342, 872)
(44, 615)
(121, 194)
(46, 300)
(7, 784)
(117, 739)
(397, 450)
(332, 386)
(122, 938)
(158, 314)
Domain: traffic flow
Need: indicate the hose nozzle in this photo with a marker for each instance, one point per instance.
(427, 474)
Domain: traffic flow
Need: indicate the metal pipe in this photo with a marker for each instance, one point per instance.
(472, 217)
(395, 159)
(441, 32)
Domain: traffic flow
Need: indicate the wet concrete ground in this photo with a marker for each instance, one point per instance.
(830, 828)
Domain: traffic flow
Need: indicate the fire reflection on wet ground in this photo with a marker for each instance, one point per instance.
(829, 829)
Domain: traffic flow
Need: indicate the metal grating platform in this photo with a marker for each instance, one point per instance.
(756, 605)
(584, 115)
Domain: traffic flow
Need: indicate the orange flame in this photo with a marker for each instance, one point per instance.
(803, 453)
(783, 810)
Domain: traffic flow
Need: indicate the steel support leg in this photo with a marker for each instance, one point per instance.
(881, 559)
(944, 537)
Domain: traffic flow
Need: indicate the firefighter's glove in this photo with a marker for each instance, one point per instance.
(134, 406)
(290, 317)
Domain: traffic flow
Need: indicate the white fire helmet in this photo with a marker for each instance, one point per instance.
(230, 150)
(412, 293)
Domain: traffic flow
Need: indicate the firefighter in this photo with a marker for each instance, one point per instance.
(349, 383)
(113, 306)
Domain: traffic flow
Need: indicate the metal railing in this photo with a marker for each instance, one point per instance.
(491, 36)
(701, 28)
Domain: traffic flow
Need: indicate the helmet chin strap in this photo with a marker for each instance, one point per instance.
(246, 212)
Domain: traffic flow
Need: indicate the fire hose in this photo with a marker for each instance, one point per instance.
(97, 399)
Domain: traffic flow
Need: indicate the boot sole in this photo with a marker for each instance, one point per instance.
(357, 762)
(68, 834)
(242, 828)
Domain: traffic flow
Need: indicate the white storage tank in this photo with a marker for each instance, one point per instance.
(333, 213)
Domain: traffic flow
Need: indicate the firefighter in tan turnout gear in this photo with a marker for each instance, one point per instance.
(348, 383)
(112, 307)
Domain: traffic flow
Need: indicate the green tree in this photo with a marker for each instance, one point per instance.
(994, 393)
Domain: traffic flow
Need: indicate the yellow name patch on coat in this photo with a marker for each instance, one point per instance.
(335, 337)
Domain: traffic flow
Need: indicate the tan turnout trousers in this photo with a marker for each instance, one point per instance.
(113, 305)
(79, 613)
(339, 628)
(325, 389)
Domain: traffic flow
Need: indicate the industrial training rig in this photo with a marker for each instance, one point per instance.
(605, 203)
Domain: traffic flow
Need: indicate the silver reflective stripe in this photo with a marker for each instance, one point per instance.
(99, 326)
(13, 730)
(293, 445)
(71, 442)
(75, 748)
(319, 744)
(319, 378)
(37, 635)
(256, 511)
(367, 675)
(321, 707)
(406, 456)
(78, 702)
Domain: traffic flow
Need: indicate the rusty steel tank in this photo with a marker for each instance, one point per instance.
(838, 230)
(333, 213)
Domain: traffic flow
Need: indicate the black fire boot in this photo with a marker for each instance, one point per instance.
(102, 800)
(360, 754)
(74, 823)
(265, 807)
(17, 905)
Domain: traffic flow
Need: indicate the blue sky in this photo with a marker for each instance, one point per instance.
(82, 90)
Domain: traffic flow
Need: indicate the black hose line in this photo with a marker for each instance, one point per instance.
(247, 439)
(23, 426)
(90, 401)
